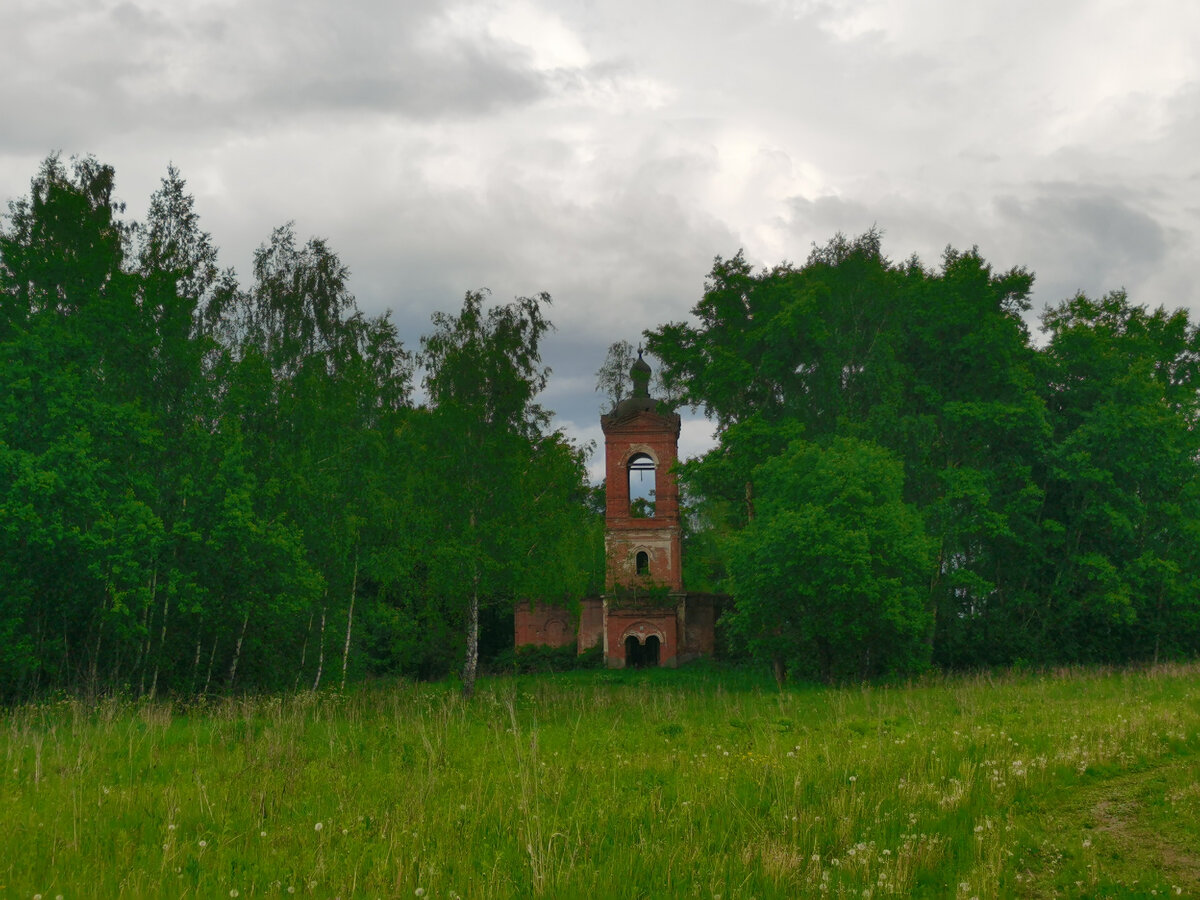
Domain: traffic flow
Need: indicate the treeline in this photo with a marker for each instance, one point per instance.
(209, 487)
(906, 476)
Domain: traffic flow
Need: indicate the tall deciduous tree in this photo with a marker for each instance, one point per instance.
(935, 365)
(483, 374)
(832, 573)
(1121, 386)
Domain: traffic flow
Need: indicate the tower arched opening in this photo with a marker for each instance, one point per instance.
(642, 473)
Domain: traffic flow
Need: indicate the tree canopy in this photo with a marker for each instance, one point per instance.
(207, 485)
(1055, 483)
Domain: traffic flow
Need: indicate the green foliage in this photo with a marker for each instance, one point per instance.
(1057, 483)
(647, 595)
(509, 498)
(208, 487)
(205, 488)
(529, 659)
(831, 575)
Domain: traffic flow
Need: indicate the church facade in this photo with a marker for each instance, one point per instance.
(645, 617)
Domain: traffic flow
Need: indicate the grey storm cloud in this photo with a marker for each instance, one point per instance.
(1100, 240)
(85, 69)
(607, 152)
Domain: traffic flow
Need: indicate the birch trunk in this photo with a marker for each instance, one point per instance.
(320, 651)
(211, 659)
(472, 663)
(350, 620)
(195, 662)
(237, 649)
(304, 651)
(162, 642)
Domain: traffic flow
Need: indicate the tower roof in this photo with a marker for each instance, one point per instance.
(640, 373)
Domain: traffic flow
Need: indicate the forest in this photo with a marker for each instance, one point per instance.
(209, 487)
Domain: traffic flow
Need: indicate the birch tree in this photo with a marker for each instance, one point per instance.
(483, 372)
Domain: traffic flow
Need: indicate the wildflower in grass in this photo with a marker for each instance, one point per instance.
(233, 892)
(203, 844)
(419, 892)
(318, 827)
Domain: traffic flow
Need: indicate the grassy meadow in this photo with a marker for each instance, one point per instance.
(701, 782)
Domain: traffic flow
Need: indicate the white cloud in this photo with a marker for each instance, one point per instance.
(606, 152)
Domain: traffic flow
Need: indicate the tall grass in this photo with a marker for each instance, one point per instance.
(695, 783)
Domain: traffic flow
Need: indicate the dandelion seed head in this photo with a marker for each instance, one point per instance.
(203, 844)
(318, 827)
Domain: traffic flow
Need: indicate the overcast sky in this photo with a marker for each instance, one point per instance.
(605, 152)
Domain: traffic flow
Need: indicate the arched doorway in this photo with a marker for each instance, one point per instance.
(650, 651)
(642, 653)
(633, 652)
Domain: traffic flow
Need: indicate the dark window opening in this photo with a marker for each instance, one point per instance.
(642, 484)
(643, 562)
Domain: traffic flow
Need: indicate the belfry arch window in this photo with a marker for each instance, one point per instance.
(641, 563)
(642, 484)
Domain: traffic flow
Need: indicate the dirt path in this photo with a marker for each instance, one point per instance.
(1130, 835)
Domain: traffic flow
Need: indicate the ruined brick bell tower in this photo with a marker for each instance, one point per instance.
(644, 617)
(644, 603)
